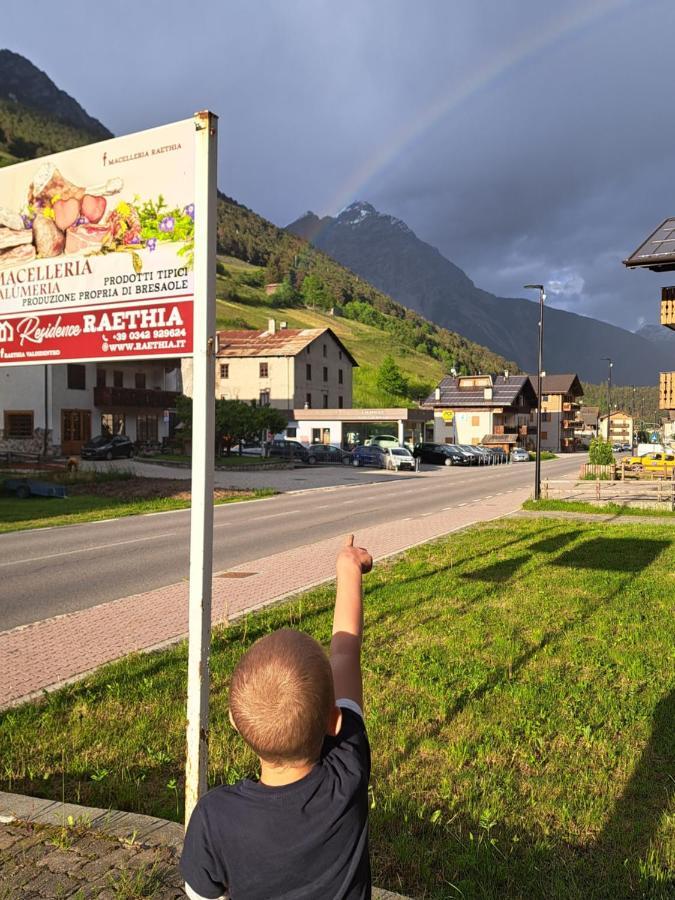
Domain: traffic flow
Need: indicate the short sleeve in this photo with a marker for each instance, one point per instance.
(198, 864)
(349, 751)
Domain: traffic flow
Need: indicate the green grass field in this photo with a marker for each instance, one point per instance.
(519, 698)
(614, 509)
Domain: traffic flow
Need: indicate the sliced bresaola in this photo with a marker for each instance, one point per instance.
(16, 255)
(86, 237)
(66, 212)
(10, 237)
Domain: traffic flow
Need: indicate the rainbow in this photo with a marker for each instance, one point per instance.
(449, 99)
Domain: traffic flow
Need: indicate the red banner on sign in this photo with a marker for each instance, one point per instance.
(156, 329)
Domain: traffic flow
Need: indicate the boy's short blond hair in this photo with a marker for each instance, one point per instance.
(281, 696)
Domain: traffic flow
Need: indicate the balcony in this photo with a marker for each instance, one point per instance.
(668, 310)
(667, 390)
(134, 398)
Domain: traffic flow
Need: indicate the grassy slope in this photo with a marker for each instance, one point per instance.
(369, 345)
(521, 734)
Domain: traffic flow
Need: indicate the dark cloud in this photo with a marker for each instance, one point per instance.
(550, 155)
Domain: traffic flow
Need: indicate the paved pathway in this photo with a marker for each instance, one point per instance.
(103, 854)
(53, 651)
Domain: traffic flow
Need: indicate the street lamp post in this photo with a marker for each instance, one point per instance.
(537, 455)
(610, 363)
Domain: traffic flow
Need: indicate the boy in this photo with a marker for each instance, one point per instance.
(301, 831)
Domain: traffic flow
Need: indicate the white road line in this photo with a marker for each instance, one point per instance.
(273, 516)
(450, 507)
(16, 562)
(325, 506)
(462, 504)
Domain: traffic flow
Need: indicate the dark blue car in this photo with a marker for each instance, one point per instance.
(372, 455)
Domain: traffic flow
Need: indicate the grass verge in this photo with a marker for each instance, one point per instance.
(47, 512)
(613, 509)
(520, 700)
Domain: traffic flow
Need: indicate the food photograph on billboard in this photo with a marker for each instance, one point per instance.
(97, 250)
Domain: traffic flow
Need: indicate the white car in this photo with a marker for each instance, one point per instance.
(399, 458)
(520, 455)
(384, 440)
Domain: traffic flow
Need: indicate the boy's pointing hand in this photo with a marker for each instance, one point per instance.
(351, 556)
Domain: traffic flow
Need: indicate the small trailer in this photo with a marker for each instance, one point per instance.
(28, 487)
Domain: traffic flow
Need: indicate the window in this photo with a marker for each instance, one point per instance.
(100, 378)
(19, 424)
(113, 423)
(325, 373)
(308, 371)
(544, 398)
(340, 381)
(264, 370)
(118, 379)
(475, 420)
(325, 401)
(224, 370)
(316, 435)
(264, 398)
(77, 378)
(544, 435)
(325, 351)
(308, 401)
(291, 431)
(339, 354)
(147, 427)
(340, 403)
(139, 381)
(546, 417)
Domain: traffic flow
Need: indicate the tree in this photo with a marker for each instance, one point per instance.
(390, 379)
(285, 294)
(600, 452)
(271, 420)
(236, 422)
(315, 293)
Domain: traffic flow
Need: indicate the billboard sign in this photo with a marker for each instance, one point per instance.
(97, 251)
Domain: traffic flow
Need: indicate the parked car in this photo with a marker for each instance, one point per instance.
(108, 446)
(441, 454)
(627, 448)
(472, 453)
(498, 455)
(519, 455)
(369, 455)
(284, 449)
(399, 458)
(617, 448)
(660, 464)
(487, 455)
(328, 453)
(385, 440)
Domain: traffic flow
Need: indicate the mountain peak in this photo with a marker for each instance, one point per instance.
(22, 82)
(361, 211)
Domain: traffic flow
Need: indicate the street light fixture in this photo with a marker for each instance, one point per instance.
(610, 362)
(537, 456)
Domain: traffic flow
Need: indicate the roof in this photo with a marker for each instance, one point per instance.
(388, 414)
(500, 439)
(559, 384)
(589, 414)
(282, 342)
(657, 252)
(505, 391)
(618, 412)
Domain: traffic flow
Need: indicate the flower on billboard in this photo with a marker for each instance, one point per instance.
(190, 210)
(167, 224)
(151, 244)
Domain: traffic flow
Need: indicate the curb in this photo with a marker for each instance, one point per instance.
(146, 830)
(258, 467)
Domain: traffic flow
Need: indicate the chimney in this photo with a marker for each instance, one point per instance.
(271, 326)
(506, 374)
(487, 393)
(283, 325)
(437, 394)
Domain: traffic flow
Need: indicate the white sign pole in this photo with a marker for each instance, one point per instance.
(203, 439)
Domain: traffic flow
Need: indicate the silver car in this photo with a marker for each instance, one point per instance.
(520, 455)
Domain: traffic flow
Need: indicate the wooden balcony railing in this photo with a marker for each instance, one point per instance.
(668, 309)
(667, 390)
(134, 398)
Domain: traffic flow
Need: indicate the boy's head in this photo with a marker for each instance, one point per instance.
(282, 698)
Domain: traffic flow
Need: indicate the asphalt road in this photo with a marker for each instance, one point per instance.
(51, 571)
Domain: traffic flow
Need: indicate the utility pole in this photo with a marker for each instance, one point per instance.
(609, 392)
(537, 455)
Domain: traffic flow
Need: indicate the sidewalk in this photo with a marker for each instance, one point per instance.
(102, 854)
(55, 651)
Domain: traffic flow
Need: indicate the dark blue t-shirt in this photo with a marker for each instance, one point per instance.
(303, 841)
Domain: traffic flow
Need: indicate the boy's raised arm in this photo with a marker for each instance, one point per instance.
(345, 647)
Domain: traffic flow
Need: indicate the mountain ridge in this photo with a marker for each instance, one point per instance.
(395, 260)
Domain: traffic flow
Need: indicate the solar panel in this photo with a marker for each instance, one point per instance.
(658, 251)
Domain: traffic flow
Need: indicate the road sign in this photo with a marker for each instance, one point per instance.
(96, 250)
(448, 415)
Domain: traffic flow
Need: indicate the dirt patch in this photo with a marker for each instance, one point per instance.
(131, 489)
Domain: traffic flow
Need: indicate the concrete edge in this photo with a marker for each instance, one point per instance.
(148, 831)
(267, 604)
(601, 518)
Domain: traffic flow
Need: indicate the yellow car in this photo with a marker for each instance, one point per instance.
(661, 464)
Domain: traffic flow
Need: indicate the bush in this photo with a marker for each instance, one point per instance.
(600, 452)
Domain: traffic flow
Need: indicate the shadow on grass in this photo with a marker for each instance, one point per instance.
(613, 554)
(556, 542)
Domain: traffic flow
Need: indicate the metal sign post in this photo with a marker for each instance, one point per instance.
(203, 437)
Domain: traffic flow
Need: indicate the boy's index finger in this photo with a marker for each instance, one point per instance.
(349, 540)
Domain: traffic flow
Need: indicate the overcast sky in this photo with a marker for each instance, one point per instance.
(528, 141)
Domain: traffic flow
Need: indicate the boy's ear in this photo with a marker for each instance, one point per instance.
(334, 722)
(232, 722)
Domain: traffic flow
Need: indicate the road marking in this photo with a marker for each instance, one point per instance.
(16, 562)
(451, 507)
(274, 515)
(325, 506)
(462, 504)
